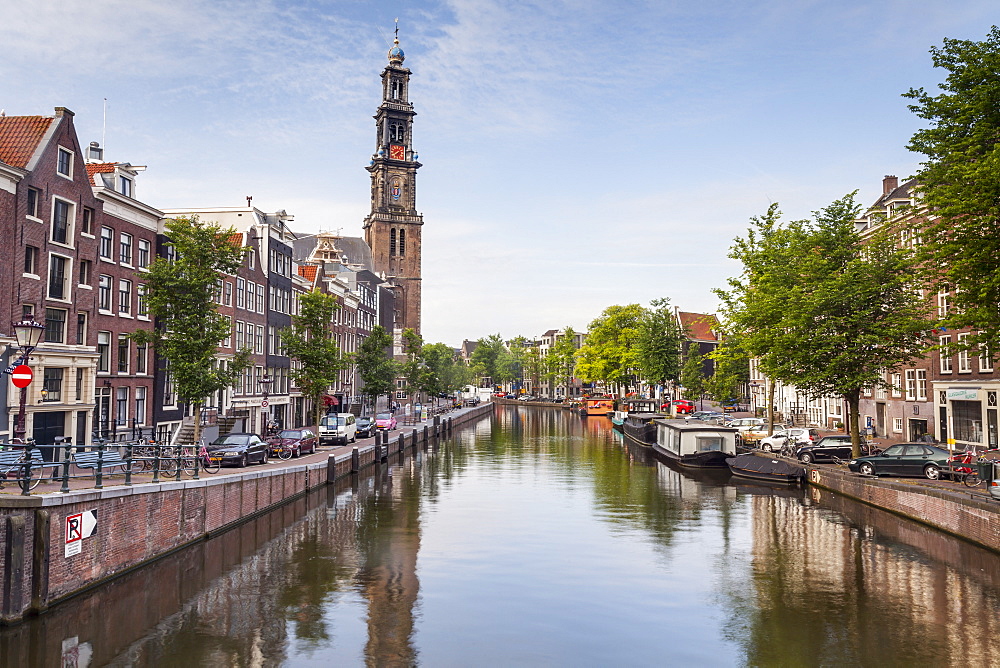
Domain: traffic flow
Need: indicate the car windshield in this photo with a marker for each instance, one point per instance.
(290, 433)
(332, 421)
(232, 439)
(364, 419)
(383, 416)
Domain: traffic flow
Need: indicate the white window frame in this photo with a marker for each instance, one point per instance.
(921, 384)
(964, 361)
(126, 248)
(985, 359)
(897, 425)
(944, 354)
(70, 158)
(70, 221)
(897, 384)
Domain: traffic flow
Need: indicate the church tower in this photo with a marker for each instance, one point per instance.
(393, 228)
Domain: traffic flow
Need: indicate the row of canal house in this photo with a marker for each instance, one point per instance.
(949, 393)
(79, 244)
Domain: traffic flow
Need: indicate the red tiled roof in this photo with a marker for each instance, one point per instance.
(101, 168)
(19, 137)
(235, 239)
(699, 326)
(308, 271)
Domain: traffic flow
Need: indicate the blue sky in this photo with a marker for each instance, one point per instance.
(576, 153)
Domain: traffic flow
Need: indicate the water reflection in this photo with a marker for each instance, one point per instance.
(535, 538)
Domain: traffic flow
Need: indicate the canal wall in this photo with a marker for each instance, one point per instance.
(55, 546)
(958, 513)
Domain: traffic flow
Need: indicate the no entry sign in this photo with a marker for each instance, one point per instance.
(21, 376)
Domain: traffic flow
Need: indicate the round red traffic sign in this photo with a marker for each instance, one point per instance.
(21, 375)
(264, 404)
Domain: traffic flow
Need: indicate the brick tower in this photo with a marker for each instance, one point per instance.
(393, 228)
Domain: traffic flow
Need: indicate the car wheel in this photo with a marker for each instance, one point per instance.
(354, 438)
(806, 458)
(244, 461)
(263, 457)
(866, 469)
(932, 472)
(766, 447)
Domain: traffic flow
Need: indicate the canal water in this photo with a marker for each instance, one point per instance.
(536, 538)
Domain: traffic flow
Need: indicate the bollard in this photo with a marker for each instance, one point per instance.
(156, 462)
(425, 433)
(65, 476)
(99, 478)
(401, 442)
(414, 433)
(355, 460)
(128, 466)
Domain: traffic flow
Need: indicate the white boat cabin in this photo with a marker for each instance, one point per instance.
(690, 437)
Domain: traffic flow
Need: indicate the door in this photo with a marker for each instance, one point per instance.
(917, 429)
(943, 424)
(47, 428)
(880, 419)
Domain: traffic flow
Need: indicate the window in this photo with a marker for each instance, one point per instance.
(239, 335)
(57, 277)
(168, 388)
(84, 276)
(217, 291)
(228, 341)
(985, 359)
(121, 406)
(240, 293)
(964, 362)
(911, 384)
(142, 308)
(104, 292)
(897, 385)
(140, 405)
(945, 353)
(942, 300)
(64, 164)
(123, 353)
(125, 249)
(258, 341)
(125, 186)
(31, 260)
(80, 377)
(260, 298)
(81, 329)
(228, 294)
(104, 352)
(402, 243)
(144, 249)
(897, 425)
(124, 296)
(921, 384)
(55, 325)
(251, 261)
(967, 417)
(107, 241)
(53, 383)
(60, 221)
(88, 220)
(27, 312)
(34, 196)
(141, 351)
(392, 242)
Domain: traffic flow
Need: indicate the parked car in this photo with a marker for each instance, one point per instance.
(385, 421)
(826, 448)
(365, 426)
(299, 441)
(798, 435)
(338, 428)
(238, 449)
(708, 416)
(681, 406)
(904, 459)
(747, 423)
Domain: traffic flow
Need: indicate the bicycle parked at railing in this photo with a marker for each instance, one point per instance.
(962, 469)
(190, 462)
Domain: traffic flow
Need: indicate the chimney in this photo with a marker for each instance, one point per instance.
(889, 183)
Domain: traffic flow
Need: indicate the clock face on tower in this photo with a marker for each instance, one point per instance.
(397, 152)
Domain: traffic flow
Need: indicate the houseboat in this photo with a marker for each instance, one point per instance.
(694, 443)
(765, 468)
(597, 406)
(640, 428)
(630, 406)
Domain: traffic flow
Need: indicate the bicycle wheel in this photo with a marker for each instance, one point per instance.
(209, 465)
(168, 467)
(284, 453)
(189, 465)
(972, 480)
(28, 485)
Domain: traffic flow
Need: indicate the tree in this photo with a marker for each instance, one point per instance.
(309, 340)
(610, 352)
(488, 356)
(659, 343)
(180, 294)
(375, 366)
(444, 374)
(732, 370)
(563, 359)
(693, 374)
(960, 182)
(414, 369)
(821, 308)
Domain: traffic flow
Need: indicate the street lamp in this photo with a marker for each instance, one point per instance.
(265, 383)
(28, 333)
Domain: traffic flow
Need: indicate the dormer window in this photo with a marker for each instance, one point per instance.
(125, 186)
(64, 165)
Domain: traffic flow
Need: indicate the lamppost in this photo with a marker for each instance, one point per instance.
(265, 383)
(28, 333)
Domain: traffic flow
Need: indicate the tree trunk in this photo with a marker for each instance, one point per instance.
(770, 408)
(318, 405)
(197, 422)
(853, 421)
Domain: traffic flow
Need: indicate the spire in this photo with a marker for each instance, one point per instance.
(396, 56)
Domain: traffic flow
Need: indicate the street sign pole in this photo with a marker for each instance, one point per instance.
(21, 377)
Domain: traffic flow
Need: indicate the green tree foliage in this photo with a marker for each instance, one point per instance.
(180, 293)
(732, 370)
(562, 357)
(444, 372)
(489, 358)
(659, 343)
(819, 308)
(375, 365)
(693, 374)
(309, 340)
(960, 181)
(610, 353)
(414, 369)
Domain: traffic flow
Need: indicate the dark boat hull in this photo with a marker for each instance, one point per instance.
(644, 435)
(713, 459)
(764, 468)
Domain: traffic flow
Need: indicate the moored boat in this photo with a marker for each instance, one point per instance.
(631, 406)
(694, 443)
(597, 406)
(765, 468)
(640, 428)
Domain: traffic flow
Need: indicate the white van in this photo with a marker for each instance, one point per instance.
(337, 428)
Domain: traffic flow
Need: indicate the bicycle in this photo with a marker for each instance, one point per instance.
(968, 475)
(190, 462)
(278, 449)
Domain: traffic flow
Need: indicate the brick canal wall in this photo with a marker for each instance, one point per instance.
(139, 524)
(958, 513)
